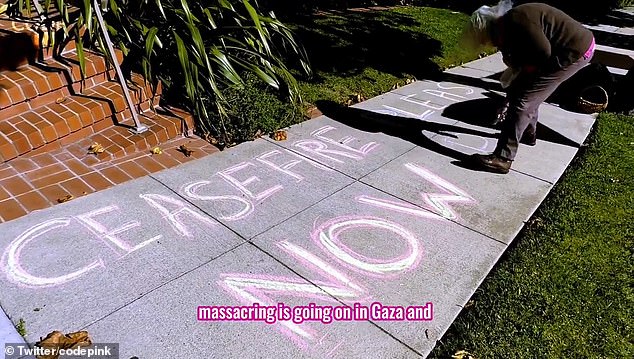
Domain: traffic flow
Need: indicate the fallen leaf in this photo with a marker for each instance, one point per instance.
(186, 151)
(57, 340)
(60, 100)
(157, 151)
(462, 354)
(218, 142)
(356, 98)
(96, 148)
(258, 134)
(280, 135)
(66, 198)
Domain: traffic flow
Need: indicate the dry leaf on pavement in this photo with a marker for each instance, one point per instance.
(57, 340)
(157, 151)
(280, 135)
(356, 98)
(66, 198)
(96, 148)
(186, 151)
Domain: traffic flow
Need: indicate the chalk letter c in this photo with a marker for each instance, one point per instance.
(15, 271)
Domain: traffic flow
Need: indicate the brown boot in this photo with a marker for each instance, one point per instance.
(492, 163)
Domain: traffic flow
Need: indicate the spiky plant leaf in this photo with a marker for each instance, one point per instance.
(199, 49)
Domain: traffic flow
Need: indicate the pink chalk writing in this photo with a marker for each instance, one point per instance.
(340, 272)
(312, 312)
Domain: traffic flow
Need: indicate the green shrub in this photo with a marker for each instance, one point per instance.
(21, 327)
(255, 108)
(197, 49)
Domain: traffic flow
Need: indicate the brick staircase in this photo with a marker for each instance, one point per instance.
(49, 118)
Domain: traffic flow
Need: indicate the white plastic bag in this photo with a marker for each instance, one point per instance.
(501, 113)
(508, 76)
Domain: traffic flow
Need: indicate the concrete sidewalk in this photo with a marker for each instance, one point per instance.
(342, 212)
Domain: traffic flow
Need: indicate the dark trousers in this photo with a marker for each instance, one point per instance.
(524, 96)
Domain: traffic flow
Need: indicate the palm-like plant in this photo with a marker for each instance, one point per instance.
(201, 47)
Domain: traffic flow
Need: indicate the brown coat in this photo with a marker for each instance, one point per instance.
(535, 34)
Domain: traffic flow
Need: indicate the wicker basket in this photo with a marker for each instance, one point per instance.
(592, 99)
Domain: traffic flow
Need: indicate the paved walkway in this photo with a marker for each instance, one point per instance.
(370, 204)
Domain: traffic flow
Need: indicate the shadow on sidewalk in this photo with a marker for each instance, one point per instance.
(613, 18)
(480, 111)
(411, 129)
(621, 41)
(492, 84)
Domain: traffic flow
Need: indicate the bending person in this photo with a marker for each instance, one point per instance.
(546, 46)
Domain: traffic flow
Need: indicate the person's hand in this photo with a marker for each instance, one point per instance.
(501, 113)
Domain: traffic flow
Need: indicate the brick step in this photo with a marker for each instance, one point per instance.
(30, 25)
(140, 92)
(118, 141)
(31, 183)
(32, 86)
(78, 116)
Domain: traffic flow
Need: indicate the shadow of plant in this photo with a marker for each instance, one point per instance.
(465, 6)
(413, 129)
(614, 18)
(346, 42)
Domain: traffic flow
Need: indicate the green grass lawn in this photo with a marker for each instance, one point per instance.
(565, 288)
(368, 53)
